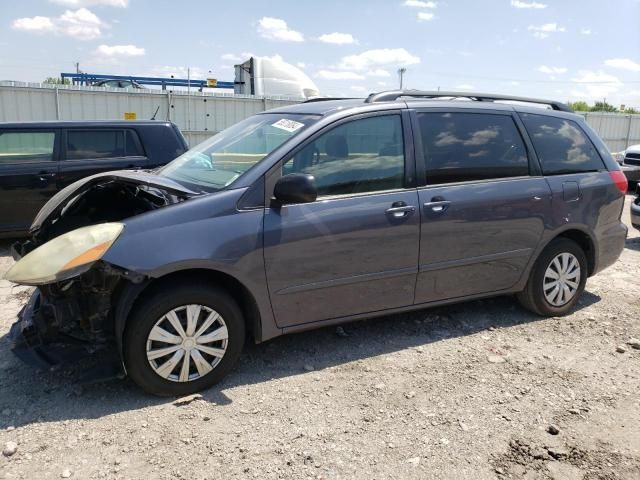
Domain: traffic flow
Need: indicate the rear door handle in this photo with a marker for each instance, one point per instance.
(438, 206)
(400, 212)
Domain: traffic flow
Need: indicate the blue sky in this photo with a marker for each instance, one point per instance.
(562, 49)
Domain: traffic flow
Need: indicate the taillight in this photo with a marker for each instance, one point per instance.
(620, 180)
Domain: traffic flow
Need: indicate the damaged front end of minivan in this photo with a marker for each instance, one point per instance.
(71, 313)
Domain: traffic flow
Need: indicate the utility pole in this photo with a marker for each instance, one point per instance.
(401, 72)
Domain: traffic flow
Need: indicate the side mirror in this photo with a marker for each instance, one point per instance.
(296, 188)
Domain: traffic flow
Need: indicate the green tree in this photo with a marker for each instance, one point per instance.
(579, 106)
(603, 107)
(631, 110)
(57, 81)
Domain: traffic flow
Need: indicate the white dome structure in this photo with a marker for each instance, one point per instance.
(273, 76)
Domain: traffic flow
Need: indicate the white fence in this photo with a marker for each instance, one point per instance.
(200, 115)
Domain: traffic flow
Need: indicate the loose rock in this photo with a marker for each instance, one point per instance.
(496, 359)
(187, 400)
(66, 473)
(553, 430)
(10, 448)
(634, 343)
(621, 349)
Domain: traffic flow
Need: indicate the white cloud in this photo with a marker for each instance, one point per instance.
(88, 3)
(585, 31)
(595, 85)
(419, 4)
(334, 75)
(543, 31)
(378, 72)
(237, 58)
(521, 4)
(383, 84)
(277, 29)
(464, 86)
(551, 70)
(623, 64)
(81, 24)
(425, 16)
(34, 24)
(111, 51)
(358, 88)
(301, 65)
(337, 38)
(378, 58)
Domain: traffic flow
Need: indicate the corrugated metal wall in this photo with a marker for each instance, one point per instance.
(201, 115)
(198, 115)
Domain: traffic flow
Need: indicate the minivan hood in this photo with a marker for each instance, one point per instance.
(133, 177)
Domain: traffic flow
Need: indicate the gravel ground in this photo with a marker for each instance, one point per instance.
(478, 390)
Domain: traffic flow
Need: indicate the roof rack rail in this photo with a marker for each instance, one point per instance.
(326, 99)
(392, 95)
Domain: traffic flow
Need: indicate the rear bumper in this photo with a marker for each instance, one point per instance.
(610, 245)
(635, 213)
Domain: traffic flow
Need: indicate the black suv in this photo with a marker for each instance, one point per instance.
(37, 159)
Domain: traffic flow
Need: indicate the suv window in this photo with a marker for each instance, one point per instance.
(363, 155)
(134, 146)
(460, 147)
(26, 147)
(95, 144)
(561, 145)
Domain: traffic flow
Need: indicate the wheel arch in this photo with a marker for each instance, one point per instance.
(130, 294)
(585, 241)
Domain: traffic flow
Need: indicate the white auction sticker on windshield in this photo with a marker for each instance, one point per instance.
(288, 125)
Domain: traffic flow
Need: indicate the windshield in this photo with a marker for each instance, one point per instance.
(222, 159)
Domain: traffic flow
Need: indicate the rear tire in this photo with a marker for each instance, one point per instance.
(201, 329)
(545, 295)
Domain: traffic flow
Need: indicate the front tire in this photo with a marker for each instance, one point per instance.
(182, 339)
(557, 279)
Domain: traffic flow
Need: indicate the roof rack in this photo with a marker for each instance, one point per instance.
(326, 99)
(480, 97)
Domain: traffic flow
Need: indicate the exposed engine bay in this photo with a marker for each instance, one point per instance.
(79, 310)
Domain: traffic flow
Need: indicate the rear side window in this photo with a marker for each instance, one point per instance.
(26, 147)
(561, 145)
(96, 144)
(461, 147)
(133, 147)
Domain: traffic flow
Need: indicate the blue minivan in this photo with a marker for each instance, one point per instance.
(316, 214)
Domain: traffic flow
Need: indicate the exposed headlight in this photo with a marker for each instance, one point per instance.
(65, 256)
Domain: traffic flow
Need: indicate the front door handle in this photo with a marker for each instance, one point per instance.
(400, 211)
(437, 206)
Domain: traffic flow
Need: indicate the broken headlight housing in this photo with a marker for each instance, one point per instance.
(66, 256)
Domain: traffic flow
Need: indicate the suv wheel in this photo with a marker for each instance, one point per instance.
(183, 339)
(557, 279)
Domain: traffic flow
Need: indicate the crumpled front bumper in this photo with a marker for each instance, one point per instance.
(27, 343)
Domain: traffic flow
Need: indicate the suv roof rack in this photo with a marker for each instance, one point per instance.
(392, 95)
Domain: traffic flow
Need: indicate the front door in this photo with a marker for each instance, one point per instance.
(355, 249)
(483, 208)
(28, 171)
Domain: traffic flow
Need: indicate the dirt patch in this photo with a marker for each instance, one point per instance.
(466, 391)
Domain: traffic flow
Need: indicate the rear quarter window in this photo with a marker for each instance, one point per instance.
(562, 146)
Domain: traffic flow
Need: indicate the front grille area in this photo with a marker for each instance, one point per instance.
(629, 160)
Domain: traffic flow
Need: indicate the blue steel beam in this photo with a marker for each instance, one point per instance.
(90, 78)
